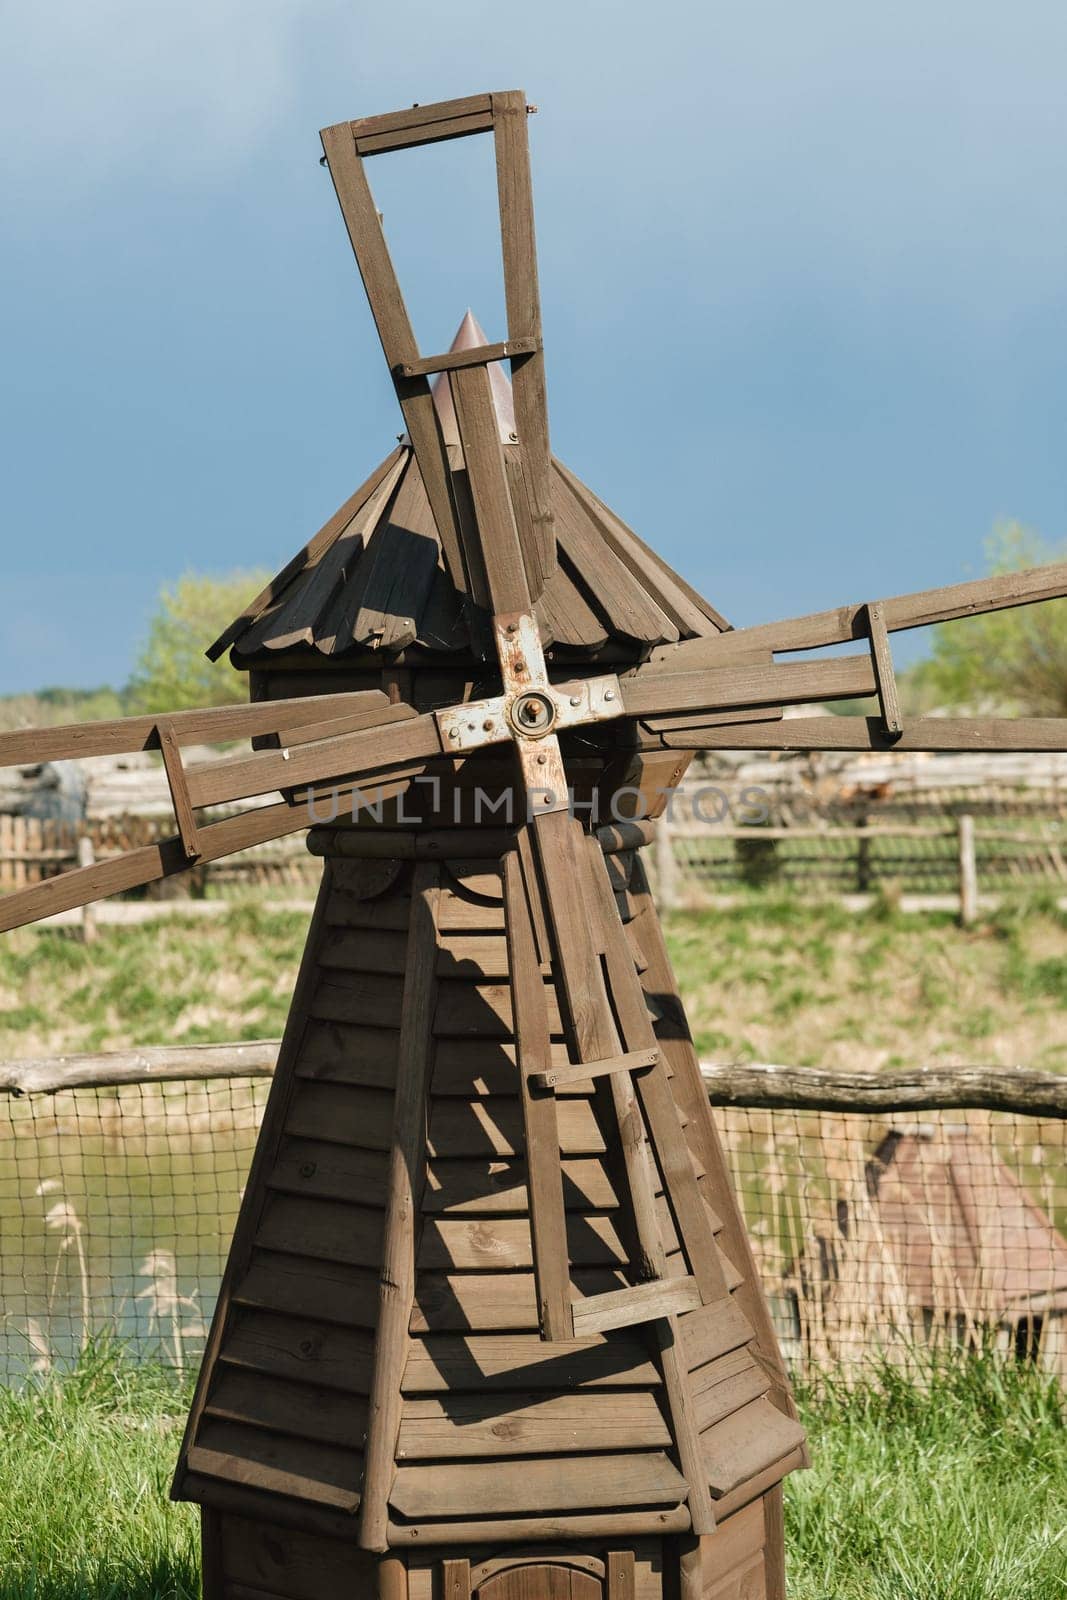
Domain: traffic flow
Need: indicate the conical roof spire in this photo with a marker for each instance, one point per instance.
(469, 335)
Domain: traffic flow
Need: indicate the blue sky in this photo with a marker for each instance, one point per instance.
(804, 275)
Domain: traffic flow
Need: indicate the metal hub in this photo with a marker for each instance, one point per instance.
(532, 714)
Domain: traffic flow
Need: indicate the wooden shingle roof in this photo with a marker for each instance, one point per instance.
(375, 577)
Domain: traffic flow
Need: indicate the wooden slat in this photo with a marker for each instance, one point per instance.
(368, 1000)
(324, 1290)
(504, 1244)
(473, 1068)
(398, 572)
(330, 1171)
(632, 611)
(746, 1443)
(668, 592)
(215, 724)
(642, 1302)
(495, 1127)
(340, 1114)
(482, 1010)
(725, 1385)
(547, 1231)
(621, 1575)
(489, 1362)
(302, 617)
(488, 1187)
(712, 1330)
(306, 558)
(282, 1406)
(278, 1464)
(148, 864)
(367, 950)
(299, 1347)
(506, 1424)
(494, 1302)
(532, 1486)
(339, 1052)
(473, 955)
(407, 1171)
(322, 1230)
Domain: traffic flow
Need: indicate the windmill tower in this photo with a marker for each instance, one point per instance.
(490, 1327)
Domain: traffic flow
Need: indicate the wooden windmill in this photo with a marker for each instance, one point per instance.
(490, 1325)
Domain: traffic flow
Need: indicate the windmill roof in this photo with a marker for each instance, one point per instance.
(375, 577)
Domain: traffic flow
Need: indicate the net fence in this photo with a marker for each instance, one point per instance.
(873, 1234)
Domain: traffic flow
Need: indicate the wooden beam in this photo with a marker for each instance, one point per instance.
(407, 1171)
(1022, 734)
(399, 130)
(533, 1046)
(631, 1061)
(188, 832)
(394, 330)
(639, 1302)
(498, 546)
(478, 356)
(523, 302)
(1017, 1090)
(884, 676)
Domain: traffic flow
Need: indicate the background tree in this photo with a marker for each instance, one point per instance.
(172, 672)
(1010, 661)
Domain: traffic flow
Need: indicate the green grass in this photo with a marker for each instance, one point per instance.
(773, 979)
(950, 1491)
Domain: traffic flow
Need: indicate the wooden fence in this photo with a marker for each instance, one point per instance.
(956, 856)
(955, 862)
(887, 1212)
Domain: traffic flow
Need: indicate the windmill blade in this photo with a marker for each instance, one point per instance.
(376, 751)
(1021, 735)
(75, 741)
(524, 516)
(719, 674)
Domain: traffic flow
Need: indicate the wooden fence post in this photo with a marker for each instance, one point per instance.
(87, 858)
(666, 866)
(968, 870)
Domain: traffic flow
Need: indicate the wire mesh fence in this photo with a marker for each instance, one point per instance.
(874, 1235)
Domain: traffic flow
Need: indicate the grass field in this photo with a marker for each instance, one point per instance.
(950, 1492)
(776, 980)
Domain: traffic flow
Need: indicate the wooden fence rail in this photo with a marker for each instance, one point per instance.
(1018, 1090)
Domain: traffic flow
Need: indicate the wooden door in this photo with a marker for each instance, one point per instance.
(543, 1581)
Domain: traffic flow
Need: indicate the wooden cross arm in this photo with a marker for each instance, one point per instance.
(212, 725)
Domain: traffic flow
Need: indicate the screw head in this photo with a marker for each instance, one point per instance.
(576, 699)
(609, 694)
(487, 725)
